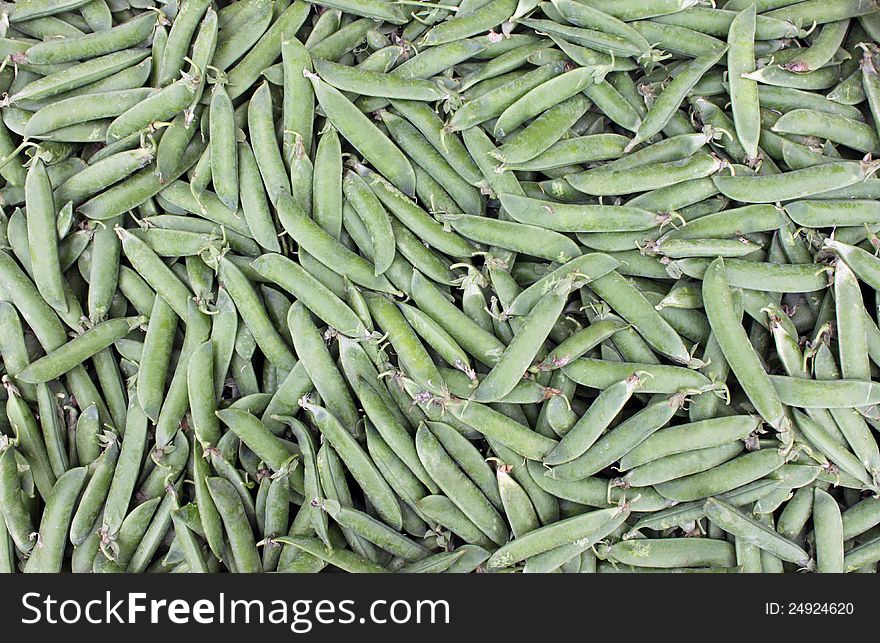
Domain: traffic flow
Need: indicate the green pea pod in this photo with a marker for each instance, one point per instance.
(48, 554)
(365, 137)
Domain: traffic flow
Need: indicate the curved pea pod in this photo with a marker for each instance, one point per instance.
(160, 106)
(158, 347)
(413, 358)
(591, 526)
(30, 443)
(838, 129)
(624, 298)
(43, 237)
(732, 222)
(863, 263)
(51, 425)
(672, 552)
(517, 505)
(86, 439)
(255, 316)
(661, 378)
(744, 95)
(267, 49)
(511, 235)
(443, 511)
(261, 131)
(491, 104)
(47, 555)
(585, 268)
(231, 43)
(24, 11)
(578, 344)
(74, 76)
(590, 38)
(742, 526)
(833, 212)
(298, 104)
(311, 482)
(393, 433)
(414, 218)
(125, 35)
(94, 495)
(837, 453)
(490, 15)
(77, 350)
(357, 129)
(125, 474)
(679, 465)
(200, 391)
(319, 365)
(374, 83)
(13, 349)
(437, 182)
(683, 513)
(224, 153)
(171, 242)
(497, 426)
(469, 458)
(470, 335)
(450, 147)
(575, 150)
(341, 558)
(614, 444)
(828, 530)
(695, 435)
(179, 38)
(458, 487)
(13, 510)
(686, 248)
(794, 185)
(593, 422)
(825, 394)
(585, 16)
(670, 99)
(602, 182)
(761, 276)
(544, 102)
(526, 391)
(242, 545)
(734, 343)
(332, 39)
(521, 351)
(79, 109)
(311, 292)
(564, 217)
(374, 531)
(319, 243)
(358, 463)
(257, 437)
(169, 287)
(375, 218)
(139, 187)
(438, 339)
(175, 402)
(725, 477)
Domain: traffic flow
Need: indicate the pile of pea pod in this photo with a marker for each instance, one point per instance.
(455, 286)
